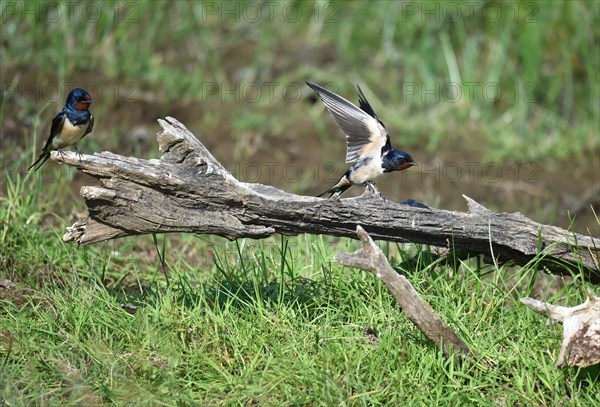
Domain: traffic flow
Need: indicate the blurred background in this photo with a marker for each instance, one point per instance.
(499, 101)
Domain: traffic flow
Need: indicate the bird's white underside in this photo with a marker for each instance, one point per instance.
(368, 171)
(69, 134)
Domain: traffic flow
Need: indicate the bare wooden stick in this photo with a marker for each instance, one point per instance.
(188, 190)
(581, 330)
(371, 258)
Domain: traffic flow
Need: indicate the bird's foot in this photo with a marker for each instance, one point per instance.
(371, 190)
(60, 152)
(335, 196)
(77, 152)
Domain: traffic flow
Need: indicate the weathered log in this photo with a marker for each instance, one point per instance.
(188, 190)
(371, 258)
(581, 330)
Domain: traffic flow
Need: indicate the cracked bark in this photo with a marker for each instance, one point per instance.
(189, 191)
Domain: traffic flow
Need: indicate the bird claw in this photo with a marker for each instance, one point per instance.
(371, 190)
(335, 196)
(77, 152)
(61, 153)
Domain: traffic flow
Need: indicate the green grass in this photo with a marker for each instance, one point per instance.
(268, 322)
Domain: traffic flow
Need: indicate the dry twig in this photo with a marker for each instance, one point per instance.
(581, 330)
(371, 258)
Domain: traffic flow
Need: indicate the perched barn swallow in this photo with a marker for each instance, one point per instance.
(69, 126)
(367, 139)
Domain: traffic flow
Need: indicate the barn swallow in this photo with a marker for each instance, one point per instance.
(367, 140)
(69, 126)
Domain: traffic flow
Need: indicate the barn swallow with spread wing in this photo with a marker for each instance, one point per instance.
(69, 126)
(367, 139)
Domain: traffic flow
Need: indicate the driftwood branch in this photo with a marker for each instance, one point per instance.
(581, 330)
(188, 190)
(371, 258)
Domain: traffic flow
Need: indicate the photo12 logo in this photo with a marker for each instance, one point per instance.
(52, 92)
(454, 92)
(54, 12)
(267, 172)
(469, 11)
(252, 92)
(473, 171)
(268, 11)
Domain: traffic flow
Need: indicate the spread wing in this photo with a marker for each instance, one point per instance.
(364, 105)
(364, 131)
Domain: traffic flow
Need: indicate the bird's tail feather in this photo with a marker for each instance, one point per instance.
(329, 191)
(339, 188)
(41, 160)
